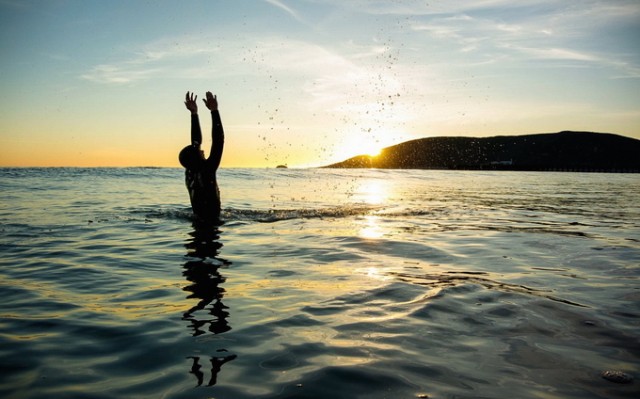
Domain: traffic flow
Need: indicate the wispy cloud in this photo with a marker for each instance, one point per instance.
(558, 31)
(421, 7)
(279, 4)
(119, 74)
(170, 57)
(328, 73)
(625, 69)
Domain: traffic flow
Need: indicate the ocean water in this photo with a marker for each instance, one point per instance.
(320, 284)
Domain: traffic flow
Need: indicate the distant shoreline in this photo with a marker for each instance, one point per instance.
(514, 169)
(565, 151)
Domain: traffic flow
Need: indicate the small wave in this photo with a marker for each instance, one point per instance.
(276, 215)
(259, 215)
(452, 279)
(272, 215)
(180, 214)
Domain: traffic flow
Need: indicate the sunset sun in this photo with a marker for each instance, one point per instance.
(354, 146)
(356, 143)
(373, 151)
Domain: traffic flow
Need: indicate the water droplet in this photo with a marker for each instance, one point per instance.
(617, 376)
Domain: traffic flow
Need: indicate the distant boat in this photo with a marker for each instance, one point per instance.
(282, 166)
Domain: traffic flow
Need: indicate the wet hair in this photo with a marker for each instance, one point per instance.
(191, 157)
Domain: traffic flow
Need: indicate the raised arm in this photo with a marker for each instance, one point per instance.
(192, 106)
(217, 132)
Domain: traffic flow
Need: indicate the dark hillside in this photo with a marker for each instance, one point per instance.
(584, 151)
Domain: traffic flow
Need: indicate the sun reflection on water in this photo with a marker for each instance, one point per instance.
(374, 192)
(371, 228)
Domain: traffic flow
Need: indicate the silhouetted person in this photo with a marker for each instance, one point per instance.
(200, 173)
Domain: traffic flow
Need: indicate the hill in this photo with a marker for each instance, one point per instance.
(564, 151)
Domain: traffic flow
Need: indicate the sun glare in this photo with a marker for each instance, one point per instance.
(354, 146)
(373, 152)
(367, 147)
(374, 192)
(371, 228)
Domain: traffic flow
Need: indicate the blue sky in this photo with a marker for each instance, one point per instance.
(306, 82)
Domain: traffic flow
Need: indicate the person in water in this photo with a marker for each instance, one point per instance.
(200, 172)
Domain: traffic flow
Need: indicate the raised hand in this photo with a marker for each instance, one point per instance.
(211, 101)
(190, 102)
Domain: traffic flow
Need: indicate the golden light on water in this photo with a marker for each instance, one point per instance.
(371, 228)
(374, 192)
(377, 273)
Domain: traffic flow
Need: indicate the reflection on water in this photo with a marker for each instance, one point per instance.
(216, 365)
(371, 228)
(374, 192)
(202, 270)
(459, 284)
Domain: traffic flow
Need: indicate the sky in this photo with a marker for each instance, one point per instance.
(306, 82)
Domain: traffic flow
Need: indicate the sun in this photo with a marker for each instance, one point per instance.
(374, 151)
(354, 146)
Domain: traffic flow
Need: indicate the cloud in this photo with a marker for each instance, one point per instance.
(299, 56)
(552, 31)
(558, 54)
(181, 56)
(279, 4)
(119, 74)
(347, 79)
(625, 69)
(457, 35)
(424, 8)
(328, 73)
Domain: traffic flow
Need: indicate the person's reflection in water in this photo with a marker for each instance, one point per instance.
(209, 313)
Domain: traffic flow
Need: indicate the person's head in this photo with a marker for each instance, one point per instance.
(191, 157)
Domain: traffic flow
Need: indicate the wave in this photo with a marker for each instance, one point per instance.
(453, 279)
(262, 215)
(437, 218)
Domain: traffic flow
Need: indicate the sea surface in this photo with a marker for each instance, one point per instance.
(320, 283)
